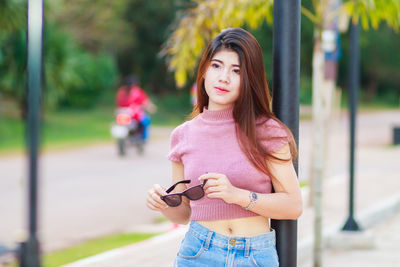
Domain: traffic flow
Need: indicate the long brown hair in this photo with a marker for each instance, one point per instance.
(254, 101)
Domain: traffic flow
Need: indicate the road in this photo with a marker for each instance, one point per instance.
(90, 191)
(84, 192)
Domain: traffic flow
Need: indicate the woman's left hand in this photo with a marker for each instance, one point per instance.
(219, 186)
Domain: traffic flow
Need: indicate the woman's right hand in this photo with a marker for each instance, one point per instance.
(154, 202)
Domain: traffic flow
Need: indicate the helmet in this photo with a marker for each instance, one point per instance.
(131, 80)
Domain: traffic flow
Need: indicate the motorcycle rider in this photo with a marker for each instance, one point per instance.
(135, 98)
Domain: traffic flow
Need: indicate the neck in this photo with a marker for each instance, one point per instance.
(217, 115)
(213, 107)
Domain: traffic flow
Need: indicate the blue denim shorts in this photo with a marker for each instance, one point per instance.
(203, 247)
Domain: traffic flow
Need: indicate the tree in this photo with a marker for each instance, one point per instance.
(132, 31)
(150, 21)
(72, 76)
(12, 15)
(379, 69)
(199, 24)
(13, 50)
(95, 26)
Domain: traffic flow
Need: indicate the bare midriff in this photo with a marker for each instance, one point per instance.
(241, 227)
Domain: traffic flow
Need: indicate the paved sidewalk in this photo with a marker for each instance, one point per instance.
(385, 252)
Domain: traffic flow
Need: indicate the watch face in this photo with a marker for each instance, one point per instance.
(254, 196)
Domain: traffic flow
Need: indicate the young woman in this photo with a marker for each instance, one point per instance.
(226, 159)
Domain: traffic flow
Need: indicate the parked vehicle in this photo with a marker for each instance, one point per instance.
(127, 131)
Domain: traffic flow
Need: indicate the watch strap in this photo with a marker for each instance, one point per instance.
(253, 200)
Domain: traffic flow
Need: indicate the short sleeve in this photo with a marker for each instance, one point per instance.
(272, 135)
(176, 144)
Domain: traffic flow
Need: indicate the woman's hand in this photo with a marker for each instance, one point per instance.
(154, 201)
(219, 186)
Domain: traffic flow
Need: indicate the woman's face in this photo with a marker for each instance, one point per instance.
(222, 80)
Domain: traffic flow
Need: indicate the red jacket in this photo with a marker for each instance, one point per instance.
(134, 97)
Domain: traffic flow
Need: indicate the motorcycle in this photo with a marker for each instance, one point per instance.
(127, 131)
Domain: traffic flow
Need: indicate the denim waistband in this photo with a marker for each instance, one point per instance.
(223, 241)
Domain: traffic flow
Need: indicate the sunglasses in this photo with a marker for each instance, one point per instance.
(193, 193)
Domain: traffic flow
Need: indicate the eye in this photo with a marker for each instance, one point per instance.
(215, 65)
(237, 71)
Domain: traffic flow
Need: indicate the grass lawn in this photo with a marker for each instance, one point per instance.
(11, 134)
(71, 127)
(59, 129)
(90, 248)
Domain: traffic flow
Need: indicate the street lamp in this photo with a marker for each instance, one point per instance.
(29, 252)
(354, 80)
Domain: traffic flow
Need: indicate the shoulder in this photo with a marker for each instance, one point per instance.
(180, 131)
(177, 142)
(272, 133)
(183, 126)
(271, 127)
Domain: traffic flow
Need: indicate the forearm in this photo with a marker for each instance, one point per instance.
(280, 205)
(179, 215)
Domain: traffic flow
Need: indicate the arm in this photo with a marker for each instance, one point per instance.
(150, 107)
(180, 214)
(147, 104)
(285, 203)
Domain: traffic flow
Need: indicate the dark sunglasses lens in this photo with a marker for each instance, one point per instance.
(195, 193)
(173, 200)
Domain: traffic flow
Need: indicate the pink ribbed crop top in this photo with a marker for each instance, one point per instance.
(208, 143)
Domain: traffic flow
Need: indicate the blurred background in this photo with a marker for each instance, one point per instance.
(87, 189)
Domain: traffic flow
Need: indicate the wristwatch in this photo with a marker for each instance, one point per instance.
(253, 199)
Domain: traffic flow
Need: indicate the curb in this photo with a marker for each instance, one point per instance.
(367, 218)
(140, 246)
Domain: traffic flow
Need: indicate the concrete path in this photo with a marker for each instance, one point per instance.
(384, 253)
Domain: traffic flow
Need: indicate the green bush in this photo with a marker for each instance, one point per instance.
(172, 109)
(95, 74)
(305, 90)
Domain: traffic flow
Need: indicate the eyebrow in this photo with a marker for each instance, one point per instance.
(220, 61)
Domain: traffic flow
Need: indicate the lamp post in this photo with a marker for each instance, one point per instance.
(286, 84)
(354, 80)
(29, 253)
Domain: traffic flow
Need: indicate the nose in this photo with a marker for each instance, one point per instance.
(224, 77)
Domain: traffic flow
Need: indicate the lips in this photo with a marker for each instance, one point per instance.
(221, 90)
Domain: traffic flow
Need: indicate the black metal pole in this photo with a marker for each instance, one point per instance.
(286, 84)
(30, 249)
(354, 80)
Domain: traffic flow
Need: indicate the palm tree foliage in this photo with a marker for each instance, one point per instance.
(199, 24)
